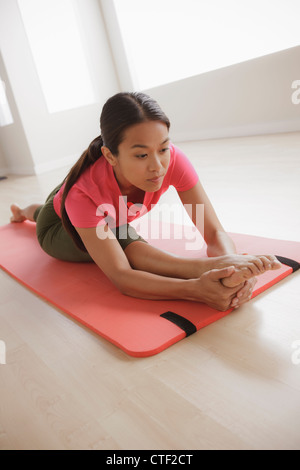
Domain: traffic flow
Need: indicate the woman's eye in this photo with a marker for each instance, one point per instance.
(141, 156)
(145, 154)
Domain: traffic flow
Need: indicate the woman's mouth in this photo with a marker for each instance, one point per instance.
(156, 180)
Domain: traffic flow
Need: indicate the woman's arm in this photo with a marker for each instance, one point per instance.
(218, 241)
(107, 253)
(111, 259)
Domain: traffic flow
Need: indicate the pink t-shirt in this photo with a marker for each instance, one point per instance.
(95, 199)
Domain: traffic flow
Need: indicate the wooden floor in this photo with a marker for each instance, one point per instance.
(232, 385)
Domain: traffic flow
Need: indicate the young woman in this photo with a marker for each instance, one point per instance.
(128, 167)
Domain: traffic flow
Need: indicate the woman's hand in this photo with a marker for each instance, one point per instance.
(244, 294)
(210, 290)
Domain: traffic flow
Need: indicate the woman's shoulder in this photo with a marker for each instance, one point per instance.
(182, 174)
(177, 157)
(176, 151)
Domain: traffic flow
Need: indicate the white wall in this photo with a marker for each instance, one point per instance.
(3, 164)
(53, 139)
(249, 98)
(16, 157)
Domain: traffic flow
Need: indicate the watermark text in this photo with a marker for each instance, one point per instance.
(170, 226)
(2, 352)
(296, 93)
(296, 354)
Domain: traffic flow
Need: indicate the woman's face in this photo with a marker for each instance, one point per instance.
(143, 157)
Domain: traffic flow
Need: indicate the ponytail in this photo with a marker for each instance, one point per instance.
(90, 156)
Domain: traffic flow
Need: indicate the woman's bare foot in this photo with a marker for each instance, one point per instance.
(19, 215)
(260, 265)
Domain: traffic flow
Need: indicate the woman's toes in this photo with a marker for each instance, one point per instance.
(17, 215)
(275, 264)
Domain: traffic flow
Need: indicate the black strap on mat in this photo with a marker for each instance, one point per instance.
(289, 262)
(183, 323)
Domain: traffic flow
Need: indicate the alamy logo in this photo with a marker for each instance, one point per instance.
(2, 352)
(296, 354)
(172, 217)
(296, 94)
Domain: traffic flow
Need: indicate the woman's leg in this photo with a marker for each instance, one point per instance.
(52, 236)
(142, 256)
(28, 213)
(145, 257)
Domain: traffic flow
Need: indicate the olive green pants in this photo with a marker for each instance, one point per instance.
(56, 241)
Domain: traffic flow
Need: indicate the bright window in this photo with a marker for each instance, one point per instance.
(167, 40)
(52, 28)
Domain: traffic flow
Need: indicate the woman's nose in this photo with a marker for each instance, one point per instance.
(155, 163)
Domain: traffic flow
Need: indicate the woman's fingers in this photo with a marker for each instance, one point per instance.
(212, 292)
(244, 294)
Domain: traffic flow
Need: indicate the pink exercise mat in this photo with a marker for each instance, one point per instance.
(137, 326)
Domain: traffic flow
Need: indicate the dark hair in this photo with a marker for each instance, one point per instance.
(120, 112)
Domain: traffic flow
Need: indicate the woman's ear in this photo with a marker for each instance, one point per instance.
(109, 156)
